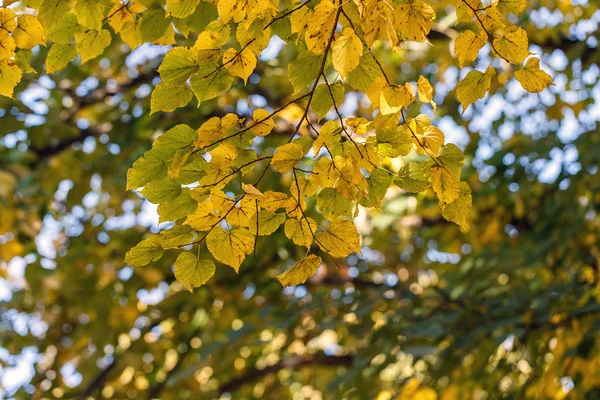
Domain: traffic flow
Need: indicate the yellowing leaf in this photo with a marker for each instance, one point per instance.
(339, 239)
(532, 78)
(118, 16)
(431, 139)
(413, 177)
(239, 63)
(414, 20)
(52, 12)
(7, 45)
(89, 13)
(191, 272)
(512, 45)
(167, 97)
(177, 66)
(263, 123)
(512, 6)
(445, 184)
(29, 32)
(363, 76)
(301, 271)
(300, 231)
(7, 20)
(231, 10)
(320, 23)
(230, 247)
(467, 46)
(59, 56)
(209, 82)
(90, 44)
(346, 52)
(145, 252)
(303, 70)
(154, 23)
(394, 97)
(458, 210)
(286, 157)
(267, 222)
(10, 75)
(474, 87)
(333, 205)
(252, 192)
(394, 142)
(322, 101)
(64, 31)
(426, 92)
(182, 8)
(272, 201)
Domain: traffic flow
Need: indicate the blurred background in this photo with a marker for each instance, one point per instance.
(507, 309)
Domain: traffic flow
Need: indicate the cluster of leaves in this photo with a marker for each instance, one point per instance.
(344, 163)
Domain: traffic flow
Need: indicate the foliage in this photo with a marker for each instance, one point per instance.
(306, 145)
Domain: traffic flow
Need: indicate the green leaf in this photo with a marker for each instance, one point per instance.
(89, 13)
(304, 69)
(177, 66)
(175, 237)
(145, 252)
(379, 181)
(64, 31)
(167, 97)
(52, 12)
(333, 205)
(154, 23)
(301, 271)
(414, 177)
(177, 208)
(176, 138)
(159, 191)
(148, 167)
(322, 102)
(363, 76)
(191, 272)
(59, 56)
(208, 84)
(394, 142)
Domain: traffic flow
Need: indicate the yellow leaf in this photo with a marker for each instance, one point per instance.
(272, 201)
(432, 139)
(145, 252)
(300, 232)
(532, 78)
(467, 46)
(177, 66)
(51, 12)
(415, 20)
(241, 214)
(207, 48)
(7, 45)
(118, 16)
(301, 271)
(90, 44)
(458, 210)
(182, 8)
(445, 184)
(263, 123)
(320, 23)
(266, 221)
(7, 20)
(491, 20)
(339, 239)
(512, 6)
(230, 247)
(474, 87)
(191, 272)
(394, 97)
(10, 75)
(231, 10)
(286, 157)
(89, 14)
(239, 64)
(426, 92)
(29, 32)
(512, 45)
(346, 52)
(204, 217)
(166, 97)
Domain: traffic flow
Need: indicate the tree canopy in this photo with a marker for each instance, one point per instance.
(299, 199)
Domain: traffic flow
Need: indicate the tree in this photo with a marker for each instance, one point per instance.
(300, 145)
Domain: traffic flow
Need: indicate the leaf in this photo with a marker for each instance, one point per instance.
(346, 51)
(273, 201)
(340, 239)
(166, 97)
(23, 58)
(431, 139)
(175, 237)
(379, 181)
(330, 134)
(90, 44)
(64, 31)
(159, 191)
(286, 157)
(178, 137)
(322, 102)
(474, 87)
(177, 208)
(413, 177)
(204, 217)
(191, 272)
(230, 247)
(10, 75)
(89, 14)
(394, 97)
(239, 63)
(320, 23)
(512, 6)
(146, 168)
(263, 123)
(394, 142)
(458, 210)
(7, 45)
(59, 56)
(181, 8)
(301, 271)
(52, 12)
(363, 76)
(29, 32)
(532, 78)
(268, 222)
(467, 46)
(452, 157)
(303, 70)
(145, 252)
(333, 205)
(207, 84)
(512, 45)
(300, 231)
(177, 66)
(445, 184)
(425, 91)
(415, 20)
(154, 23)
